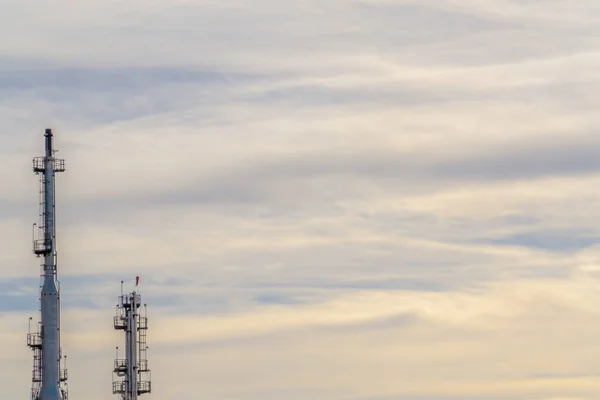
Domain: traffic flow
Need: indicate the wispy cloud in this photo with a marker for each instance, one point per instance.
(376, 199)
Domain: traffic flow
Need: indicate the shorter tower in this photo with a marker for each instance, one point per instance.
(131, 375)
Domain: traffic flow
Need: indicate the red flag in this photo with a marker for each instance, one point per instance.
(137, 279)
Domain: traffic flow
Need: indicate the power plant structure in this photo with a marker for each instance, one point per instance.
(131, 375)
(49, 380)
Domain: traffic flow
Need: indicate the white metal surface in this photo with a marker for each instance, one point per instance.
(49, 381)
(131, 376)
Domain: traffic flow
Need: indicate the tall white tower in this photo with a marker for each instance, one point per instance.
(131, 376)
(49, 380)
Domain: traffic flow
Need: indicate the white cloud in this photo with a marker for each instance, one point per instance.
(324, 200)
(490, 342)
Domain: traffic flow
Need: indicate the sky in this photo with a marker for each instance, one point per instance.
(324, 199)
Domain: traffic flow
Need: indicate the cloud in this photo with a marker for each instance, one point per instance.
(328, 200)
(498, 325)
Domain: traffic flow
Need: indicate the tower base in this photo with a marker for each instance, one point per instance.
(51, 392)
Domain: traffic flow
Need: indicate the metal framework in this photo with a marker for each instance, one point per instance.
(131, 375)
(49, 381)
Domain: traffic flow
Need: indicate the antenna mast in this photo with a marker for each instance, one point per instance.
(49, 380)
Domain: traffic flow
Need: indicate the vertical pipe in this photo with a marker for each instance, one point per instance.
(125, 301)
(49, 295)
(133, 343)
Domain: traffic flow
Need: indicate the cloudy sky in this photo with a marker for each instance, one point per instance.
(324, 199)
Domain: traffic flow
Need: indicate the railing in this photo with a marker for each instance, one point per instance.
(144, 387)
(34, 340)
(119, 387)
(37, 375)
(120, 365)
(143, 323)
(39, 164)
(41, 246)
(143, 366)
(120, 322)
(59, 165)
(63, 375)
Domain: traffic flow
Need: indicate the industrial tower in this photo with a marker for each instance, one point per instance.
(131, 376)
(49, 380)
